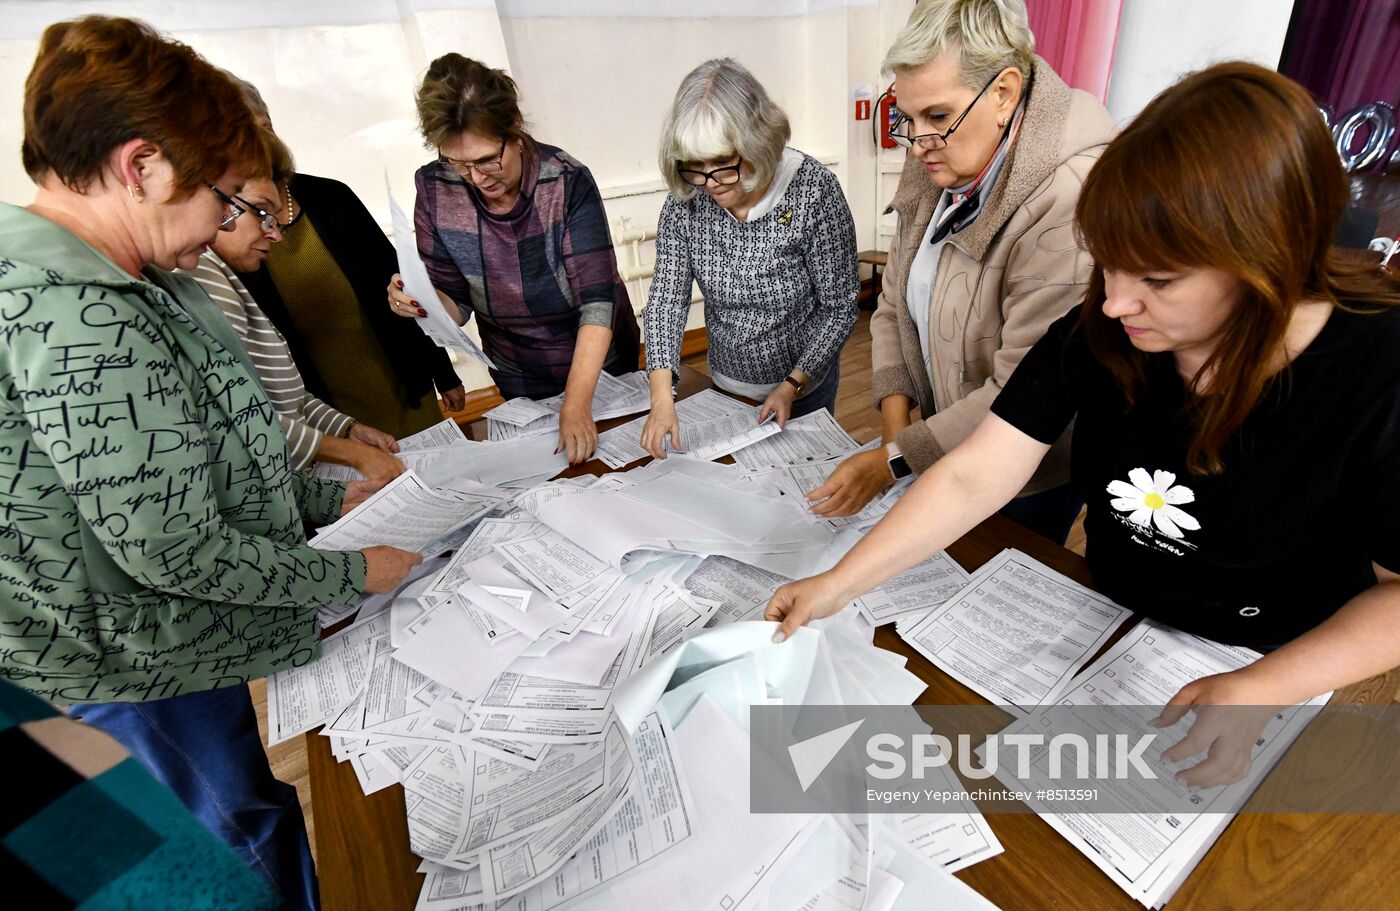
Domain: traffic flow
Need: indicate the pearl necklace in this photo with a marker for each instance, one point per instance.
(289, 203)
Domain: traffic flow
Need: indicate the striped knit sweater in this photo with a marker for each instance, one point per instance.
(305, 418)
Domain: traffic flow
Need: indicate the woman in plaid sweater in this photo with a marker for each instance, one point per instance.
(514, 231)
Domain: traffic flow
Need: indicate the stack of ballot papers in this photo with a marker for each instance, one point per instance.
(614, 397)
(1150, 854)
(563, 688)
(564, 698)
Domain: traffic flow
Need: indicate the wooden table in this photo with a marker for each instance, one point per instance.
(1262, 860)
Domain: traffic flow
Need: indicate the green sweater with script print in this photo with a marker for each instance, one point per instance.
(151, 538)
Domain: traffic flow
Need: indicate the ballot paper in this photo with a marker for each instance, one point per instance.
(510, 866)
(481, 544)
(657, 816)
(437, 325)
(725, 836)
(954, 840)
(719, 437)
(814, 437)
(852, 892)
(622, 445)
(741, 591)
(306, 697)
(926, 884)
(796, 481)
(417, 461)
(447, 646)
(527, 460)
(433, 793)
(405, 513)
(1149, 854)
(1017, 632)
(439, 436)
(613, 397)
(917, 590)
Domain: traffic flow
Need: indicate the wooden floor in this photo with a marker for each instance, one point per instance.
(854, 411)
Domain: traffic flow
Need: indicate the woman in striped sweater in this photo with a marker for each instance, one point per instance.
(315, 431)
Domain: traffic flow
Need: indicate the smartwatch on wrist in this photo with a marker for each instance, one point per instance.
(899, 466)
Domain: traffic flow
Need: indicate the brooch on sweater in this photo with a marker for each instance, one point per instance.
(786, 218)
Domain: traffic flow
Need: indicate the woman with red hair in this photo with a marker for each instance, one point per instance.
(1235, 394)
(152, 552)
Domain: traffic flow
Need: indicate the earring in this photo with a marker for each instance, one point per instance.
(136, 193)
(1002, 123)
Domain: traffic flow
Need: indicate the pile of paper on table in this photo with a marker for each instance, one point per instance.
(565, 699)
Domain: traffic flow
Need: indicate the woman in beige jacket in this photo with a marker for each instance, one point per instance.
(985, 256)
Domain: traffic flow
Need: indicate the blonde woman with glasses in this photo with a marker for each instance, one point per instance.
(766, 232)
(985, 257)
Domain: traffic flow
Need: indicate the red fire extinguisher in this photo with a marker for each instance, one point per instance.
(886, 115)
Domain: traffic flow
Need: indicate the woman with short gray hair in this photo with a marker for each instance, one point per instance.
(771, 243)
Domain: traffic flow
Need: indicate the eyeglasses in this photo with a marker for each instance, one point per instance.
(266, 220)
(725, 176)
(464, 168)
(933, 141)
(235, 209)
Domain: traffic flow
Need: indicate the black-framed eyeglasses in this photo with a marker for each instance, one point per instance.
(234, 208)
(725, 176)
(463, 168)
(266, 220)
(933, 141)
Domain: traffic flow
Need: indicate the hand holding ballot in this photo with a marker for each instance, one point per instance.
(386, 567)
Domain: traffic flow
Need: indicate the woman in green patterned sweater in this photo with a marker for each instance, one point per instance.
(152, 558)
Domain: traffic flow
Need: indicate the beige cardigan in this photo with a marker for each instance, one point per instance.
(1001, 281)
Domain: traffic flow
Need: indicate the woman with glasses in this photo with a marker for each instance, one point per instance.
(985, 257)
(1234, 395)
(315, 431)
(153, 552)
(766, 233)
(322, 288)
(513, 230)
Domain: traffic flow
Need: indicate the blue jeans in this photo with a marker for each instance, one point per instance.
(824, 396)
(205, 747)
(1050, 513)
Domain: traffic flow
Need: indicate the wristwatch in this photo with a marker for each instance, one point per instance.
(798, 387)
(899, 466)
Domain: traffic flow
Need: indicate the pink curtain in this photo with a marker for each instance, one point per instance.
(1076, 37)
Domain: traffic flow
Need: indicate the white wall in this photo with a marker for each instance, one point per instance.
(596, 77)
(1161, 40)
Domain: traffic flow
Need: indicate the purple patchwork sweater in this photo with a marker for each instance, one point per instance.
(533, 275)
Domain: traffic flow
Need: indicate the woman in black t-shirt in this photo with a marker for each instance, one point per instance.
(1236, 398)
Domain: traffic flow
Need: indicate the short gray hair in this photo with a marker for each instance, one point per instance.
(990, 35)
(252, 97)
(721, 110)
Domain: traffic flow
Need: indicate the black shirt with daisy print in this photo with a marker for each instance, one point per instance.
(1273, 546)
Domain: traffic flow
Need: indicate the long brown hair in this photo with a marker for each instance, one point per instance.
(1232, 168)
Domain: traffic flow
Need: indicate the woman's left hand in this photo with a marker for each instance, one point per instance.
(578, 435)
(356, 492)
(779, 402)
(455, 399)
(363, 433)
(1231, 711)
